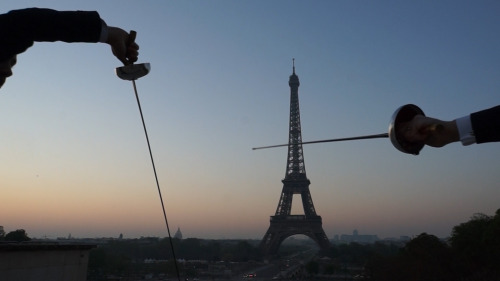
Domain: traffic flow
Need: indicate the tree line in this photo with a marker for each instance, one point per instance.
(472, 252)
(18, 235)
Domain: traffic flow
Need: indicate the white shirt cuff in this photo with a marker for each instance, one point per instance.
(465, 131)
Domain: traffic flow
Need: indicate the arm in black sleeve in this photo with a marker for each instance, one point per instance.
(19, 29)
(486, 125)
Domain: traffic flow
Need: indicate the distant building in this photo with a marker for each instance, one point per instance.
(404, 238)
(355, 237)
(178, 234)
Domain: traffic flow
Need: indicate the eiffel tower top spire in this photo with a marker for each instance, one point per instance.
(295, 163)
(294, 79)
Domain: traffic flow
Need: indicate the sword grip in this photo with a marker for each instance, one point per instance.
(131, 39)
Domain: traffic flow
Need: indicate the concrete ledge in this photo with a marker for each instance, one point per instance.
(30, 261)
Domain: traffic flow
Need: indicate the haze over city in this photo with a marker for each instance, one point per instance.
(74, 158)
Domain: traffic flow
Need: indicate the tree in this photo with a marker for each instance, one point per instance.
(425, 257)
(432, 256)
(477, 241)
(473, 254)
(19, 235)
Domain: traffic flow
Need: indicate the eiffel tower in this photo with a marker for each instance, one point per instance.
(283, 224)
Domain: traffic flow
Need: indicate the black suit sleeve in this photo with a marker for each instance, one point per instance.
(486, 125)
(19, 29)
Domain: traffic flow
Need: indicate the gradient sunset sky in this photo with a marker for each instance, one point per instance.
(74, 159)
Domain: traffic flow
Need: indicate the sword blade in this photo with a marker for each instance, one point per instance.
(384, 135)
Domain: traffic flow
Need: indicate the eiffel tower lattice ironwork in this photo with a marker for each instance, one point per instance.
(283, 223)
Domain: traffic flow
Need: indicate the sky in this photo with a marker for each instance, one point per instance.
(74, 158)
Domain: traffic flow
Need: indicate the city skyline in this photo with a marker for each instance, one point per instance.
(74, 157)
(337, 237)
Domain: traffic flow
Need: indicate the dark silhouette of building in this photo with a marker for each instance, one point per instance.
(178, 234)
(283, 224)
(39, 261)
(359, 238)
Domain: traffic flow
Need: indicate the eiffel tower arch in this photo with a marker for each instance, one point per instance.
(283, 224)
